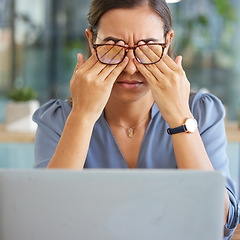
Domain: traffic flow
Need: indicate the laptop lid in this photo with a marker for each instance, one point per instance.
(111, 205)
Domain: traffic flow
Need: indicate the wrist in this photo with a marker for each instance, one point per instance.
(178, 120)
(80, 119)
(189, 126)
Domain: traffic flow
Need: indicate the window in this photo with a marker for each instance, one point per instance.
(40, 41)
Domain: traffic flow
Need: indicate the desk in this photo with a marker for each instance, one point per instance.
(16, 149)
(11, 137)
(232, 131)
(236, 235)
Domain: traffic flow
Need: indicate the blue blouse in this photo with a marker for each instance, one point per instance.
(156, 150)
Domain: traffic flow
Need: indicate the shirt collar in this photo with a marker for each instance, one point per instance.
(154, 110)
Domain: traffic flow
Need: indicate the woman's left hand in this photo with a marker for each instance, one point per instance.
(170, 88)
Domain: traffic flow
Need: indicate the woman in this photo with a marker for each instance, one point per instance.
(131, 103)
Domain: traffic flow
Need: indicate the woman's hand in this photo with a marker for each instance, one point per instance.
(170, 87)
(91, 85)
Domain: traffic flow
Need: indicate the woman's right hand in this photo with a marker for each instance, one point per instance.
(91, 86)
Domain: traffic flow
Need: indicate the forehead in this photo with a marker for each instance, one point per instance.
(131, 25)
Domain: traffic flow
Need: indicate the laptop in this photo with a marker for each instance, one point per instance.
(111, 205)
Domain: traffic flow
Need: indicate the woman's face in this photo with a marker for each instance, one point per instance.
(130, 26)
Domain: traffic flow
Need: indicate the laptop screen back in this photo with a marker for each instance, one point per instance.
(111, 205)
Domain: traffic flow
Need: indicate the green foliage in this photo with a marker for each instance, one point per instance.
(226, 10)
(203, 20)
(23, 94)
(197, 32)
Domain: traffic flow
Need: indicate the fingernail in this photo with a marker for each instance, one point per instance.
(180, 59)
(78, 57)
(125, 59)
(110, 42)
(141, 43)
(121, 43)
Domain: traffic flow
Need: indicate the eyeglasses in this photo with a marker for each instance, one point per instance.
(113, 54)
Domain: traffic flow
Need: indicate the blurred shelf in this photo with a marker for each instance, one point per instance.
(11, 137)
(232, 131)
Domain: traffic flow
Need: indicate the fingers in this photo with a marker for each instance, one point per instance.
(148, 75)
(80, 62)
(108, 52)
(154, 53)
(164, 71)
(178, 61)
(110, 76)
(93, 70)
(104, 53)
(173, 65)
(89, 69)
(148, 53)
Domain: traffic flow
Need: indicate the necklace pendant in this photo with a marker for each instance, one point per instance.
(130, 132)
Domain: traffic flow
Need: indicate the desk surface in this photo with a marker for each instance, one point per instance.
(236, 235)
(11, 137)
(232, 131)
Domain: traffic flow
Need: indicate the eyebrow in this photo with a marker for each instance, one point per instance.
(146, 40)
(113, 39)
(149, 39)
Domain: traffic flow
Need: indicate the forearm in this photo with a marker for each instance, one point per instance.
(73, 145)
(190, 153)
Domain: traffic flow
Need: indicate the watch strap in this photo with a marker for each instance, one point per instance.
(180, 129)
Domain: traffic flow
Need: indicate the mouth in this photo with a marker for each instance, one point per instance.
(129, 84)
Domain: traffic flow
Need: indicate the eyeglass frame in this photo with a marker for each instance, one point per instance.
(95, 46)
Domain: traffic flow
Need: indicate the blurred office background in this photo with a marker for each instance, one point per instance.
(39, 41)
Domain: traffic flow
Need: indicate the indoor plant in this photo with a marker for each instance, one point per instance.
(20, 108)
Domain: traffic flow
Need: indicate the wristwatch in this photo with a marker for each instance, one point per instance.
(189, 126)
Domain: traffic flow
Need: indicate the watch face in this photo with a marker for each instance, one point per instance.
(191, 125)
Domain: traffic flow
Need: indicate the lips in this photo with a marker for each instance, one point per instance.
(129, 84)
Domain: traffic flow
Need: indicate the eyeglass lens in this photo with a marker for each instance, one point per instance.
(110, 53)
(114, 54)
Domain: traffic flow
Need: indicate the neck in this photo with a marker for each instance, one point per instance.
(128, 114)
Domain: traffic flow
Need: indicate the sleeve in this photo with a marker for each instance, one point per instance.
(209, 113)
(51, 118)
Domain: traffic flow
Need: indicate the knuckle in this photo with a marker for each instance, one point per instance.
(172, 76)
(88, 76)
(148, 74)
(153, 68)
(98, 84)
(115, 72)
(167, 85)
(78, 74)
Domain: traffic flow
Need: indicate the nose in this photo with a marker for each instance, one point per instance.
(131, 67)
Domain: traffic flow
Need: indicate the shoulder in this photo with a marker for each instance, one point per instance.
(206, 108)
(52, 114)
(199, 99)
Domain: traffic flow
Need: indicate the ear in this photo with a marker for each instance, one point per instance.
(89, 37)
(170, 35)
